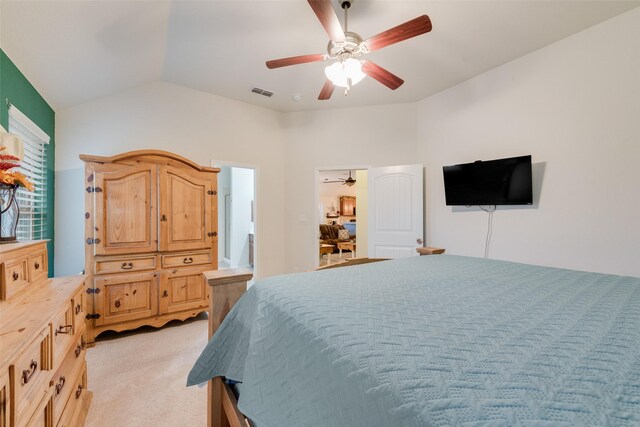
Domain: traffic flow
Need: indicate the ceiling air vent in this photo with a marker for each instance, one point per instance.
(262, 92)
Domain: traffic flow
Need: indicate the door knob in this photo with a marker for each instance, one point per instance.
(419, 241)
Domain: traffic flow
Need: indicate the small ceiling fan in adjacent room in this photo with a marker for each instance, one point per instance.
(345, 47)
(348, 181)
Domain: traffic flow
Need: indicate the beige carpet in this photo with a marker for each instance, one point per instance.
(138, 378)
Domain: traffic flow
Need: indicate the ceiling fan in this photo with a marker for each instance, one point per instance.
(345, 47)
(349, 181)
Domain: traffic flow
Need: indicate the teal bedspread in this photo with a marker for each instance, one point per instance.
(434, 341)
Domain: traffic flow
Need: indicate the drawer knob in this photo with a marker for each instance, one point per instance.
(78, 350)
(163, 218)
(78, 308)
(165, 293)
(63, 329)
(188, 260)
(36, 265)
(79, 391)
(117, 303)
(15, 276)
(127, 265)
(60, 385)
(28, 373)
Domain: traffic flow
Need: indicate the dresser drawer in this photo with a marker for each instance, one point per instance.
(42, 414)
(186, 259)
(124, 264)
(4, 398)
(79, 304)
(30, 375)
(65, 376)
(38, 266)
(73, 408)
(62, 333)
(14, 277)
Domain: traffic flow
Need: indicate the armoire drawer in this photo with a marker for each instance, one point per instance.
(30, 375)
(14, 277)
(186, 259)
(124, 264)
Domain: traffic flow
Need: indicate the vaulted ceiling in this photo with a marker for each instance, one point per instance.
(76, 51)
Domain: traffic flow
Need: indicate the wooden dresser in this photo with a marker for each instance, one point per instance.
(151, 221)
(43, 373)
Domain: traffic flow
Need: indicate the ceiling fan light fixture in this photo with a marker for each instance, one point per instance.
(345, 73)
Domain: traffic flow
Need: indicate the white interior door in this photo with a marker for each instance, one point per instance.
(396, 211)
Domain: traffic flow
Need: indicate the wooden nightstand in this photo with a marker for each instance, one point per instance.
(429, 250)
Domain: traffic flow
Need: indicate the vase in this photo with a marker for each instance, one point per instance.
(9, 213)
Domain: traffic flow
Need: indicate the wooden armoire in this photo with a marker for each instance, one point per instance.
(150, 233)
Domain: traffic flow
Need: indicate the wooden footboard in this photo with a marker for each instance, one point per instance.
(227, 286)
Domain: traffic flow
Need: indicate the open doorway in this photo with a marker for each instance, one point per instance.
(236, 217)
(342, 215)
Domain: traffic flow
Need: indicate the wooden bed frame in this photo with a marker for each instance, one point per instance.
(227, 286)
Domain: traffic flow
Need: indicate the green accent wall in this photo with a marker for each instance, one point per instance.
(15, 89)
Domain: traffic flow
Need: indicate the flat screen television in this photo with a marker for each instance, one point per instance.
(492, 182)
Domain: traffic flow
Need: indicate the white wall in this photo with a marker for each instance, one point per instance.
(241, 224)
(575, 106)
(193, 124)
(337, 139)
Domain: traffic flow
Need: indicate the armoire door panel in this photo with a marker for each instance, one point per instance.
(125, 297)
(183, 289)
(185, 209)
(125, 210)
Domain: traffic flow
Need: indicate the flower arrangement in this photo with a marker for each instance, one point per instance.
(9, 177)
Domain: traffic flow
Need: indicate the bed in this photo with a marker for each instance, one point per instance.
(426, 341)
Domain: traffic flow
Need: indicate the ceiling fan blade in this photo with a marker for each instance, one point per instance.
(385, 77)
(415, 27)
(294, 60)
(327, 90)
(328, 18)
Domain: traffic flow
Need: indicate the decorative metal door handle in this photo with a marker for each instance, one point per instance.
(77, 351)
(63, 329)
(187, 260)
(60, 385)
(163, 218)
(165, 294)
(117, 303)
(15, 276)
(36, 265)
(78, 308)
(419, 241)
(127, 265)
(79, 391)
(28, 373)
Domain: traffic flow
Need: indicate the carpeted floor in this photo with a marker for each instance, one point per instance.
(138, 378)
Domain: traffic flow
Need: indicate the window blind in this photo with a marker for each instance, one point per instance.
(32, 224)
